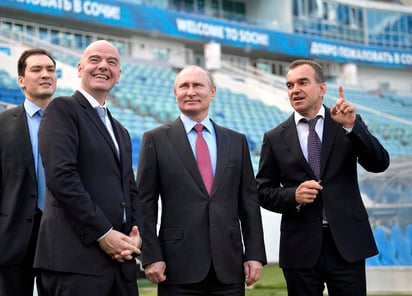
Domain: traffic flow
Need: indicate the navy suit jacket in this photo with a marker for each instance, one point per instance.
(197, 229)
(18, 187)
(88, 188)
(283, 168)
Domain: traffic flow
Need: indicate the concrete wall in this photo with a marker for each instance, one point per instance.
(389, 279)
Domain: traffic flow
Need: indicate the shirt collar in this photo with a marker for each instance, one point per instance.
(320, 113)
(30, 107)
(90, 98)
(189, 123)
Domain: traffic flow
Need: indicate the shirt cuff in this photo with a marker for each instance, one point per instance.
(347, 130)
(104, 235)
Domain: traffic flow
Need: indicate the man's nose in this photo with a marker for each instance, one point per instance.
(190, 90)
(295, 88)
(45, 73)
(103, 64)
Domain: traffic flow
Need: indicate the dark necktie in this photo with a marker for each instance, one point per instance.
(203, 158)
(314, 149)
(41, 180)
(314, 146)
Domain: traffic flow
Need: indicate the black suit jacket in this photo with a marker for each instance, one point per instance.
(88, 186)
(18, 187)
(283, 167)
(197, 229)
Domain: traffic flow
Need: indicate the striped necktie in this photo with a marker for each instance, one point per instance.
(314, 146)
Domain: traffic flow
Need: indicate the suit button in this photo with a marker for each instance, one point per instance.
(29, 220)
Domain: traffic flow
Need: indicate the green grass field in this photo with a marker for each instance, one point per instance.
(271, 283)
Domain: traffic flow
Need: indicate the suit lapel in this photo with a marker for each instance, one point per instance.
(290, 138)
(177, 136)
(121, 142)
(24, 143)
(223, 143)
(94, 117)
(330, 129)
(116, 130)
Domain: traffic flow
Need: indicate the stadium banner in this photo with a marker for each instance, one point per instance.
(180, 25)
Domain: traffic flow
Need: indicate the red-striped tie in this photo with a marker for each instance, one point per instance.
(203, 158)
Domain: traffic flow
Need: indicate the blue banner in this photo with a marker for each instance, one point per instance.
(150, 19)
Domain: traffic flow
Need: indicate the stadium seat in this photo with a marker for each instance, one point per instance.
(408, 234)
(386, 250)
(373, 261)
(403, 251)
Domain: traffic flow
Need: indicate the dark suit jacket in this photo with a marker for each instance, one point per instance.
(18, 187)
(87, 188)
(196, 228)
(283, 167)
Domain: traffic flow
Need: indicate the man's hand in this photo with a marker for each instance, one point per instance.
(155, 272)
(307, 191)
(137, 242)
(343, 112)
(119, 246)
(253, 271)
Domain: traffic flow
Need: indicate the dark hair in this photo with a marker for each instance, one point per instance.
(21, 64)
(319, 75)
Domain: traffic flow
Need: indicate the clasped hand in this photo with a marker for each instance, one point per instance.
(121, 247)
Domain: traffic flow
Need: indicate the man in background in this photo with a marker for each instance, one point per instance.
(308, 173)
(22, 186)
(89, 230)
(204, 176)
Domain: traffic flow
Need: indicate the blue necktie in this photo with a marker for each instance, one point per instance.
(41, 179)
(102, 113)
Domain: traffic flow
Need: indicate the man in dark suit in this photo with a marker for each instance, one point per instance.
(88, 233)
(20, 200)
(199, 250)
(325, 231)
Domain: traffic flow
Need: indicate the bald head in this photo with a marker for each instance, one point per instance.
(99, 69)
(194, 68)
(99, 45)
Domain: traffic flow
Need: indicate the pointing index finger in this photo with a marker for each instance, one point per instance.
(340, 91)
